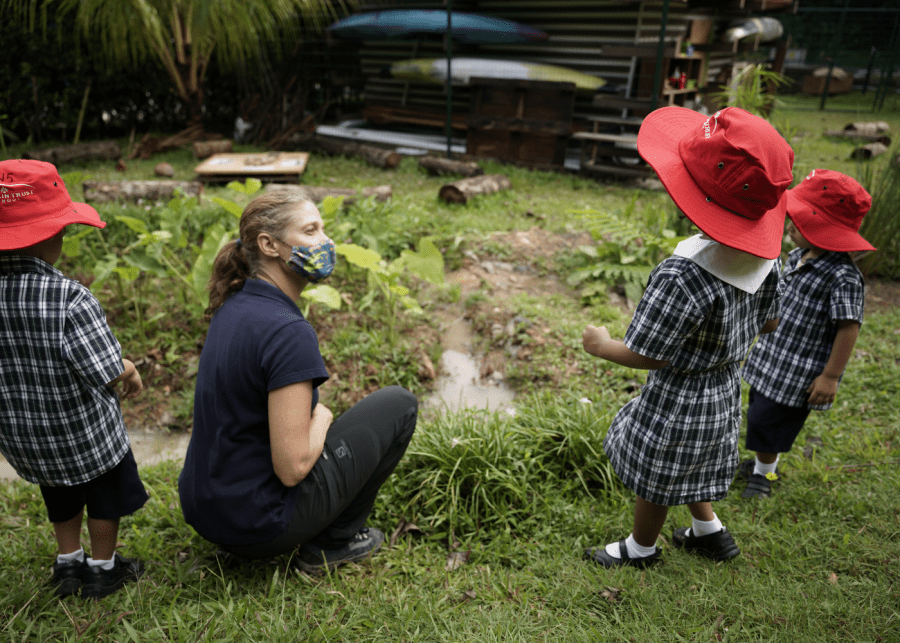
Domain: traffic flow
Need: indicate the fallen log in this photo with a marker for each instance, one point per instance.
(436, 165)
(869, 151)
(150, 145)
(387, 159)
(205, 149)
(318, 194)
(102, 150)
(105, 191)
(873, 127)
(464, 189)
(871, 138)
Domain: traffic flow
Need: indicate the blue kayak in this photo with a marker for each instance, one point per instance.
(466, 27)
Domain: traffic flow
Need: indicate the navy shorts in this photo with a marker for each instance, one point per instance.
(772, 427)
(111, 495)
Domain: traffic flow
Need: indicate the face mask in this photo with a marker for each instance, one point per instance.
(313, 263)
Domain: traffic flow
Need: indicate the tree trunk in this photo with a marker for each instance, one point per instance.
(436, 165)
(387, 159)
(105, 191)
(205, 149)
(104, 150)
(461, 191)
(317, 194)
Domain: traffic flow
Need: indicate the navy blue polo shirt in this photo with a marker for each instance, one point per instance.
(258, 341)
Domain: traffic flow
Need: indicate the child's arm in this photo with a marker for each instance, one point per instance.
(824, 388)
(130, 378)
(597, 342)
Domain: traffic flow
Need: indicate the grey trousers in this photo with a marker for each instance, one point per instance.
(362, 448)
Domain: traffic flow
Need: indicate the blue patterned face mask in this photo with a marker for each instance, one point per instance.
(313, 263)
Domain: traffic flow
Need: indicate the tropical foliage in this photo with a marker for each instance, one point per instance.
(181, 35)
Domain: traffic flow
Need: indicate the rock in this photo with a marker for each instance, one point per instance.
(164, 169)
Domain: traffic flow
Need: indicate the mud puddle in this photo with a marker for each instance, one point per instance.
(459, 385)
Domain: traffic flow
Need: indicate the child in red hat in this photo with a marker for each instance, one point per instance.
(61, 425)
(676, 443)
(799, 366)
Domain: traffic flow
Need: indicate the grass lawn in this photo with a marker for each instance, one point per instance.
(489, 513)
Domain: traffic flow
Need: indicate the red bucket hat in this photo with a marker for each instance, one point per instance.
(35, 205)
(727, 172)
(828, 207)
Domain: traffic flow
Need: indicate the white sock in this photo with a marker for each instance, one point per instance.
(762, 469)
(102, 564)
(705, 527)
(634, 549)
(78, 555)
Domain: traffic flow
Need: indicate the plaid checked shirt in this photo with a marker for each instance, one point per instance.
(59, 422)
(817, 295)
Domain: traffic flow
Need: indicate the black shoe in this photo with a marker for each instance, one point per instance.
(718, 546)
(599, 556)
(100, 582)
(746, 467)
(315, 560)
(68, 577)
(757, 487)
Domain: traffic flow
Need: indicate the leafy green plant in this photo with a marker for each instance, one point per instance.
(881, 225)
(749, 89)
(623, 255)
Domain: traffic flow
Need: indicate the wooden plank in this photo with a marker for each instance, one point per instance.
(603, 168)
(269, 165)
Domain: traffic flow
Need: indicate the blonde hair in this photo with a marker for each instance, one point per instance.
(270, 213)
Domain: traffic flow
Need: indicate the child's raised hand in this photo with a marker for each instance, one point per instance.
(823, 390)
(593, 339)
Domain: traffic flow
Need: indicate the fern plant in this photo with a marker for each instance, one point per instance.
(623, 255)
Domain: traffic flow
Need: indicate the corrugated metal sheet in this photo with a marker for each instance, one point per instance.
(578, 30)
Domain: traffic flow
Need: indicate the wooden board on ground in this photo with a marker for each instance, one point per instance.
(269, 166)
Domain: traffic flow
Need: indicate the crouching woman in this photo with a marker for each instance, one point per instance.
(268, 470)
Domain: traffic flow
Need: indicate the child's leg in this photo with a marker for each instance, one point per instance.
(771, 429)
(104, 534)
(648, 521)
(68, 534)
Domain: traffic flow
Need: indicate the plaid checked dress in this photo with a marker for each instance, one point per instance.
(676, 442)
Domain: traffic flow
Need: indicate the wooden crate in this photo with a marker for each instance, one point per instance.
(269, 166)
(525, 122)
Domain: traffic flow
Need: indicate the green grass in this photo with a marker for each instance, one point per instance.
(523, 496)
(520, 495)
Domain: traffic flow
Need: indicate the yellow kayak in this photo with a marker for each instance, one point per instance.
(434, 70)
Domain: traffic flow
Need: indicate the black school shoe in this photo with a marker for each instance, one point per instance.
(718, 546)
(599, 556)
(758, 486)
(315, 560)
(99, 582)
(68, 577)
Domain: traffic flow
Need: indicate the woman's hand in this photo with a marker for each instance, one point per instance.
(322, 414)
(296, 437)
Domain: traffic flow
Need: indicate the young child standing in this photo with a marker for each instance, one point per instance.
(676, 443)
(799, 366)
(61, 426)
